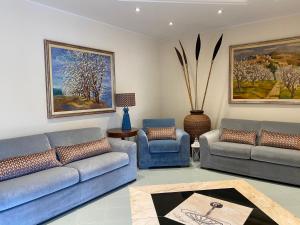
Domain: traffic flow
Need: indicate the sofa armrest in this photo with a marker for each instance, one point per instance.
(128, 147)
(208, 138)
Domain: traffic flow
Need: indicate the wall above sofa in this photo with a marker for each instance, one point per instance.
(217, 105)
(22, 80)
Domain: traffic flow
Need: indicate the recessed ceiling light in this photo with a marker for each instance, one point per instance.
(137, 9)
(220, 11)
(171, 24)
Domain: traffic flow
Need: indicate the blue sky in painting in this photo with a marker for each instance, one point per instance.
(60, 56)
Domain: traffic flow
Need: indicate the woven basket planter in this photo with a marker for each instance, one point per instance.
(196, 123)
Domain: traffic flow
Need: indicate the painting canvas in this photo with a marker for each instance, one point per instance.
(265, 72)
(80, 80)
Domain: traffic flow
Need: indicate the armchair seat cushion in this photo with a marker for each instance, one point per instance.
(30, 187)
(287, 157)
(99, 165)
(232, 150)
(163, 146)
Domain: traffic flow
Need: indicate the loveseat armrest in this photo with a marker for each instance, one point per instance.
(142, 139)
(182, 137)
(128, 147)
(208, 138)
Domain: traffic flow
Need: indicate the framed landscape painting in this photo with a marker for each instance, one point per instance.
(79, 80)
(265, 72)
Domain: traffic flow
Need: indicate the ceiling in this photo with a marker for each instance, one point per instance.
(186, 15)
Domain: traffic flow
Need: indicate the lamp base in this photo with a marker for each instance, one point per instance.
(126, 125)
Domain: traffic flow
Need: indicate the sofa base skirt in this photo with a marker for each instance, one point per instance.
(52, 205)
(252, 168)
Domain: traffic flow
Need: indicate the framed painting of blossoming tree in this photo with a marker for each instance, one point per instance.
(80, 80)
(265, 72)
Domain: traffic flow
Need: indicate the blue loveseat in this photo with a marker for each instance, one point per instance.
(37, 197)
(161, 153)
(270, 163)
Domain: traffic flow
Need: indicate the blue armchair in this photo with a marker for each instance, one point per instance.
(160, 153)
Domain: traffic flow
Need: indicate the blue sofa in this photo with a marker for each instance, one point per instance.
(37, 197)
(162, 153)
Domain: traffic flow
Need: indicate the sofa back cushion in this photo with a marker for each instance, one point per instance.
(23, 146)
(71, 153)
(73, 137)
(280, 140)
(158, 123)
(161, 133)
(236, 124)
(23, 165)
(238, 136)
(281, 127)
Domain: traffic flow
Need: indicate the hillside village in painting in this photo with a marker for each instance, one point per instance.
(267, 72)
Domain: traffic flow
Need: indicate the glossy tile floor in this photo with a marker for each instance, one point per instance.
(114, 208)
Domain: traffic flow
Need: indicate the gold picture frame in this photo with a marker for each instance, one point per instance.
(79, 80)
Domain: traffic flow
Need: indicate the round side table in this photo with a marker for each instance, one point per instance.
(119, 133)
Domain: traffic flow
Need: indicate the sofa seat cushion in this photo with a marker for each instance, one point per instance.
(163, 146)
(23, 189)
(232, 150)
(274, 155)
(99, 165)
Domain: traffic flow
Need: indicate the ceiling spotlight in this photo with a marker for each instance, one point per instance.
(220, 11)
(137, 9)
(171, 24)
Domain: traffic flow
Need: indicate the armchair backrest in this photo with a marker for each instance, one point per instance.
(168, 122)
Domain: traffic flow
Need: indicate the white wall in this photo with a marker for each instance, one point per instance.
(174, 101)
(143, 66)
(24, 26)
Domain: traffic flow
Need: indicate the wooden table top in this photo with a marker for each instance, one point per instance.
(119, 133)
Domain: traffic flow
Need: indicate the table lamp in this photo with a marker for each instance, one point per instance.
(125, 100)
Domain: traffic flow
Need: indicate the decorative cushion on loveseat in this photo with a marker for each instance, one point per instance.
(238, 136)
(23, 165)
(67, 154)
(161, 133)
(280, 140)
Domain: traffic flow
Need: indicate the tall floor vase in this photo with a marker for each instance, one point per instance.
(196, 123)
